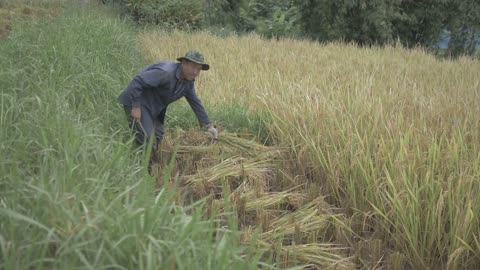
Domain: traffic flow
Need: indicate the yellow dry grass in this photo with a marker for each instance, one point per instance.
(389, 136)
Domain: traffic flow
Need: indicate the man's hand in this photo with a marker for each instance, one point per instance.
(214, 132)
(136, 114)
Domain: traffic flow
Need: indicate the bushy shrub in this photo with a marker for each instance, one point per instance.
(267, 17)
(271, 18)
(170, 13)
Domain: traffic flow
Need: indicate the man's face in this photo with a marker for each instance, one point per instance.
(190, 70)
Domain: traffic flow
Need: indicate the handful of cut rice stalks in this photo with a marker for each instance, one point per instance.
(229, 143)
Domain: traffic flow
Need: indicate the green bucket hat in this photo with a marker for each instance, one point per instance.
(196, 57)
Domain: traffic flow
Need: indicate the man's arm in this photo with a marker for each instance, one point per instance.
(200, 112)
(197, 108)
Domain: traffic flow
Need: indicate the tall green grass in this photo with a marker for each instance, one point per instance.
(73, 192)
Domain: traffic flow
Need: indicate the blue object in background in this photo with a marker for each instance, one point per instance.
(443, 44)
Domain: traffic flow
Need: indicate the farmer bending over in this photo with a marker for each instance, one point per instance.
(148, 95)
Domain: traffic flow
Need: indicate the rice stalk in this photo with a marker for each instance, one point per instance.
(314, 255)
(234, 167)
(307, 220)
(256, 201)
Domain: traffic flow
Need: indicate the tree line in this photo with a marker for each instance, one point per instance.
(364, 22)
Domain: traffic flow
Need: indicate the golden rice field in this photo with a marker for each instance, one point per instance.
(375, 162)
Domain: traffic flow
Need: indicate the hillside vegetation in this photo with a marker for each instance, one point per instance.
(329, 156)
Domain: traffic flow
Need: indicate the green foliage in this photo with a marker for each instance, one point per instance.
(463, 24)
(220, 12)
(412, 22)
(363, 22)
(377, 22)
(185, 14)
(421, 22)
(267, 17)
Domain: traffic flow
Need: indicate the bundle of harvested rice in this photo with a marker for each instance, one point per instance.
(247, 172)
(299, 225)
(236, 167)
(263, 200)
(229, 143)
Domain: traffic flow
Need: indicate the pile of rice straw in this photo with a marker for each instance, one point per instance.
(286, 221)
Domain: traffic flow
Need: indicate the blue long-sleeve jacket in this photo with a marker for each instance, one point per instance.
(158, 85)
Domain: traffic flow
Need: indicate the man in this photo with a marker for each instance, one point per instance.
(148, 95)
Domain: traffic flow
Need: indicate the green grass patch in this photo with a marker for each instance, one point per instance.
(73, 194)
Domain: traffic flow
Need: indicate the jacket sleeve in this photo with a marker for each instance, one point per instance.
(146, 79)
(197, 107)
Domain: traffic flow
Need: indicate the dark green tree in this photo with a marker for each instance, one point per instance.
(267, 17)
(361, 21)
(223, 13)
(463, 25)
(413, 22)
(420, 23)
(364, 22)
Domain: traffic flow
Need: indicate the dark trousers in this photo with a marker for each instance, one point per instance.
(148, 127)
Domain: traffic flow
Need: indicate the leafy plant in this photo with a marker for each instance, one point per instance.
(270, 18)
(169, 13)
